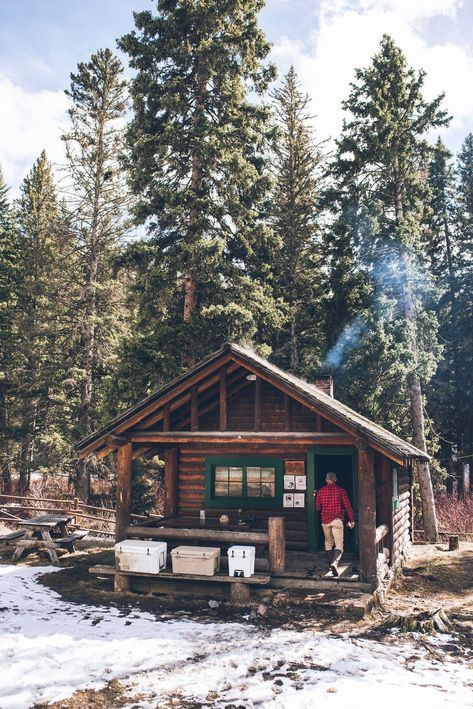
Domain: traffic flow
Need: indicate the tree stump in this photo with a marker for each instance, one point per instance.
(453, 543)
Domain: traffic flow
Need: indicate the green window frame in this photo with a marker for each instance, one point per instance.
(395, 488)
(251, 481)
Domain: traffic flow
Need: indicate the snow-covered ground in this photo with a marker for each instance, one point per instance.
(50, 648)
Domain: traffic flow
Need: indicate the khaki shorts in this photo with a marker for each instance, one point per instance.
(333, 533)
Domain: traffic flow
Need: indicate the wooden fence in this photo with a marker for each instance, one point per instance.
(100, 520)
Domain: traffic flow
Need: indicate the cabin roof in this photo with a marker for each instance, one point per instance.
(347, 417)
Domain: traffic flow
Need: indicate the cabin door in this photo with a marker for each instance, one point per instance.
(340, 460)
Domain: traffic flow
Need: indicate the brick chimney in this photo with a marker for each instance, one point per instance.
(324, 382)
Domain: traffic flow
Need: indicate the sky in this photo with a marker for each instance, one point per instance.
(41, 42)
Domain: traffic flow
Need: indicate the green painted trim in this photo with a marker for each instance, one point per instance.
(311, 475)
(244, 462)
(311, 536)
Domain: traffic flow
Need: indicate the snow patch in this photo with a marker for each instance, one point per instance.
(50, 648)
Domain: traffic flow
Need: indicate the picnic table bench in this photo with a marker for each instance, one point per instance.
(49, 532)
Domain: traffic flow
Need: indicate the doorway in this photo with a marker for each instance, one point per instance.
(339, 460)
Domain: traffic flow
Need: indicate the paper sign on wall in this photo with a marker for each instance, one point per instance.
(299, 499)
(294, 467)
(288, 499)
(301, 482)
(289, 482)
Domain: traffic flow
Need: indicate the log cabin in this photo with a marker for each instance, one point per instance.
(240, 437)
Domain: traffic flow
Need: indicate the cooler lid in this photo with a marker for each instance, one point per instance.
(196, 552)
(239, 549)
(139, 546)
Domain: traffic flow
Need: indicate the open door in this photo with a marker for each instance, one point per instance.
(340, 460)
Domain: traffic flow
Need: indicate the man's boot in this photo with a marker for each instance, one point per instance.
(336, 555)
(329, 553)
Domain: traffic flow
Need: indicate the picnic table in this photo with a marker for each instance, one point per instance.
(48, 532)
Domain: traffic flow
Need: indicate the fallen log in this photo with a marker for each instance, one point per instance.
(426, 623)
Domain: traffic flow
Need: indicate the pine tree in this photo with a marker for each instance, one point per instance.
(98, 204)
(464, 201)
(197, 170)
(383, 151)
(442, 245)
(9, 263)
(296, 201)
(39, 368)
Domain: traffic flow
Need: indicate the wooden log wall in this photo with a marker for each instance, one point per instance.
(401, 518)
(192, 478)
(277, 413)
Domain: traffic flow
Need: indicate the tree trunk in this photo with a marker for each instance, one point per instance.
(453, 290)
(417, 417)
(414, 386)
(82, 485)
(294, 344)
(191, 286)
(5, 460)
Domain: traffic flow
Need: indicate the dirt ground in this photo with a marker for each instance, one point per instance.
(432, 578)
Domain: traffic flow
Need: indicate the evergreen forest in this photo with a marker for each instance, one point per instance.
(197, 205)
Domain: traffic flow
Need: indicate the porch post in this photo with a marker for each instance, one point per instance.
(277, 544)
(171, 457)
(123, 510)
(367, 512)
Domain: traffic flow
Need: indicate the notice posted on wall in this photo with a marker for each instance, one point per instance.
(299, 499)
(289, 482)
(288, 499)
(294, 467)
(301, 482)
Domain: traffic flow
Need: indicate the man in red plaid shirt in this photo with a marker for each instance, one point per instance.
(332, 502)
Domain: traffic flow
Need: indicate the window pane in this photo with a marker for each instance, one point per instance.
(221, 473)
(268, 490)
(253, 490)
(253, 475)
(221, 489)
(268, 475)
(235, 489)
(236, 474)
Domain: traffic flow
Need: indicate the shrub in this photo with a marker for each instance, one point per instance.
(455, 514)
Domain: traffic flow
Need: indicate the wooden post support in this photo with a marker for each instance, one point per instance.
(367, 513)
(277, 544)
(171, 457)
(223, 399)
(121, 583)
(240, 594)
(194, 409)
(258, 404)
(123, 510)
(384, 495)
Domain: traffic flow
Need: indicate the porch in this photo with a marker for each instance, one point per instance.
(305, 577)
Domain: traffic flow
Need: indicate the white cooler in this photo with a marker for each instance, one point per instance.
(241, 561)
(138, 555)
(204, 561)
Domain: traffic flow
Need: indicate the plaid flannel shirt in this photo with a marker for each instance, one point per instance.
(331, 501)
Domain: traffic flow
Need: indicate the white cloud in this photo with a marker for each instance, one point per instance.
(348, 35)
(30, 121)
